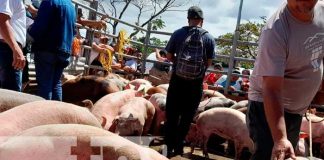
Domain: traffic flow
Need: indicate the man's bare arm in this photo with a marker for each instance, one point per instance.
(8, 35)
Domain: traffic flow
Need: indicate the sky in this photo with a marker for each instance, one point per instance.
(220, 16)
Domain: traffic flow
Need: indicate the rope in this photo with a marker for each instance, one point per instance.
(106, 59)
(310, 136)
(309, 119)
(122, 40)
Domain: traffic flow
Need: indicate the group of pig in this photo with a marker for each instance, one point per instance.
(110, 108)
(226, 118)
(33, 128)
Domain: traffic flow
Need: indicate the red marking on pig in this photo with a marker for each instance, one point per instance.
(84, 150)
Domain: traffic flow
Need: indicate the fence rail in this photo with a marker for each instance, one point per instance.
(235, 42)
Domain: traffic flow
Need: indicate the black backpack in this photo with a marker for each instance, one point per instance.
(191, 57)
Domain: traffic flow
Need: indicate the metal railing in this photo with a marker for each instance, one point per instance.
(148, 32)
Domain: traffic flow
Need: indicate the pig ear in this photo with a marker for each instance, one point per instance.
(103, 121)
(87, 103)
(140, 93)
(115, 120)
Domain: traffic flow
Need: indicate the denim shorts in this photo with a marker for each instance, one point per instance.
(10, 78)
(260, 132)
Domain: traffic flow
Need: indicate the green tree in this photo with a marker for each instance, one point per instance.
(250, 32)
(118, 8)
(153, 41)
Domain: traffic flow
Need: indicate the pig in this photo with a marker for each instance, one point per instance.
(119, 83)
(73, 141)
(87, 87)
(44, 112)
(154, 90)
(302, 146)
(159, 102)
(10, 99)
(227, 123)
(107, 108)
(164, 86)
(240, 104)
(118, 80)
(135, 117)
(304, 158)
(317, 130)
(211, 93)
(66, 77)
(214, 102)
(243, 110)
(138, 82)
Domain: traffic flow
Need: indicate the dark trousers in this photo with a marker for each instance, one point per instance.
(182, 101)
(260, 132)
(25, 74)
(10, 78)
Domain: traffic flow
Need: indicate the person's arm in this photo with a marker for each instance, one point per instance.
(158, 56)
(92, 23)
(210, 50)
(97, 48)
(274, 111)
(33, 11)
(170, 57)
(171, 47)
(7, 33)
(209, 62)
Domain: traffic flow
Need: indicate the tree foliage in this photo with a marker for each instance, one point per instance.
(154, 8)
(250, 32)
(153, 41)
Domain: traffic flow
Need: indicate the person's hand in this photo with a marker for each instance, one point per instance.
(19, 60)
(282, 150)
(231, 88)
(104, 17)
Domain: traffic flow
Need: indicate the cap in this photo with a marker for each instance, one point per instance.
(218, 66)
(236, 71)
(195, 12)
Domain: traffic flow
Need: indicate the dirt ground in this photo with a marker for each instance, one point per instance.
(197, 155)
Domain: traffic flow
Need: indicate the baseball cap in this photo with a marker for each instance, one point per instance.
(236, 71)
(218, 66)
(195, 12)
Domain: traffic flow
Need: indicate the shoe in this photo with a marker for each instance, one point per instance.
(178, 151)
(170, 155)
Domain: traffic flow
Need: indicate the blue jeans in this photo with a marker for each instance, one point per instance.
(49, 68)
(260, 132)
(9, 77)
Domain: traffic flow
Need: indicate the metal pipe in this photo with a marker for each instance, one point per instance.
(233, 53)
(112, 18)
(146, 46)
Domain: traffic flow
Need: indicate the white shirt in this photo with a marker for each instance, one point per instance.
(16, 11)
(131, 63)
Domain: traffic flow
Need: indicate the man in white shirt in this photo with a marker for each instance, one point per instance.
(12, 39)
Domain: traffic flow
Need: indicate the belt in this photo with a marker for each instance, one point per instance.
(3, 41)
